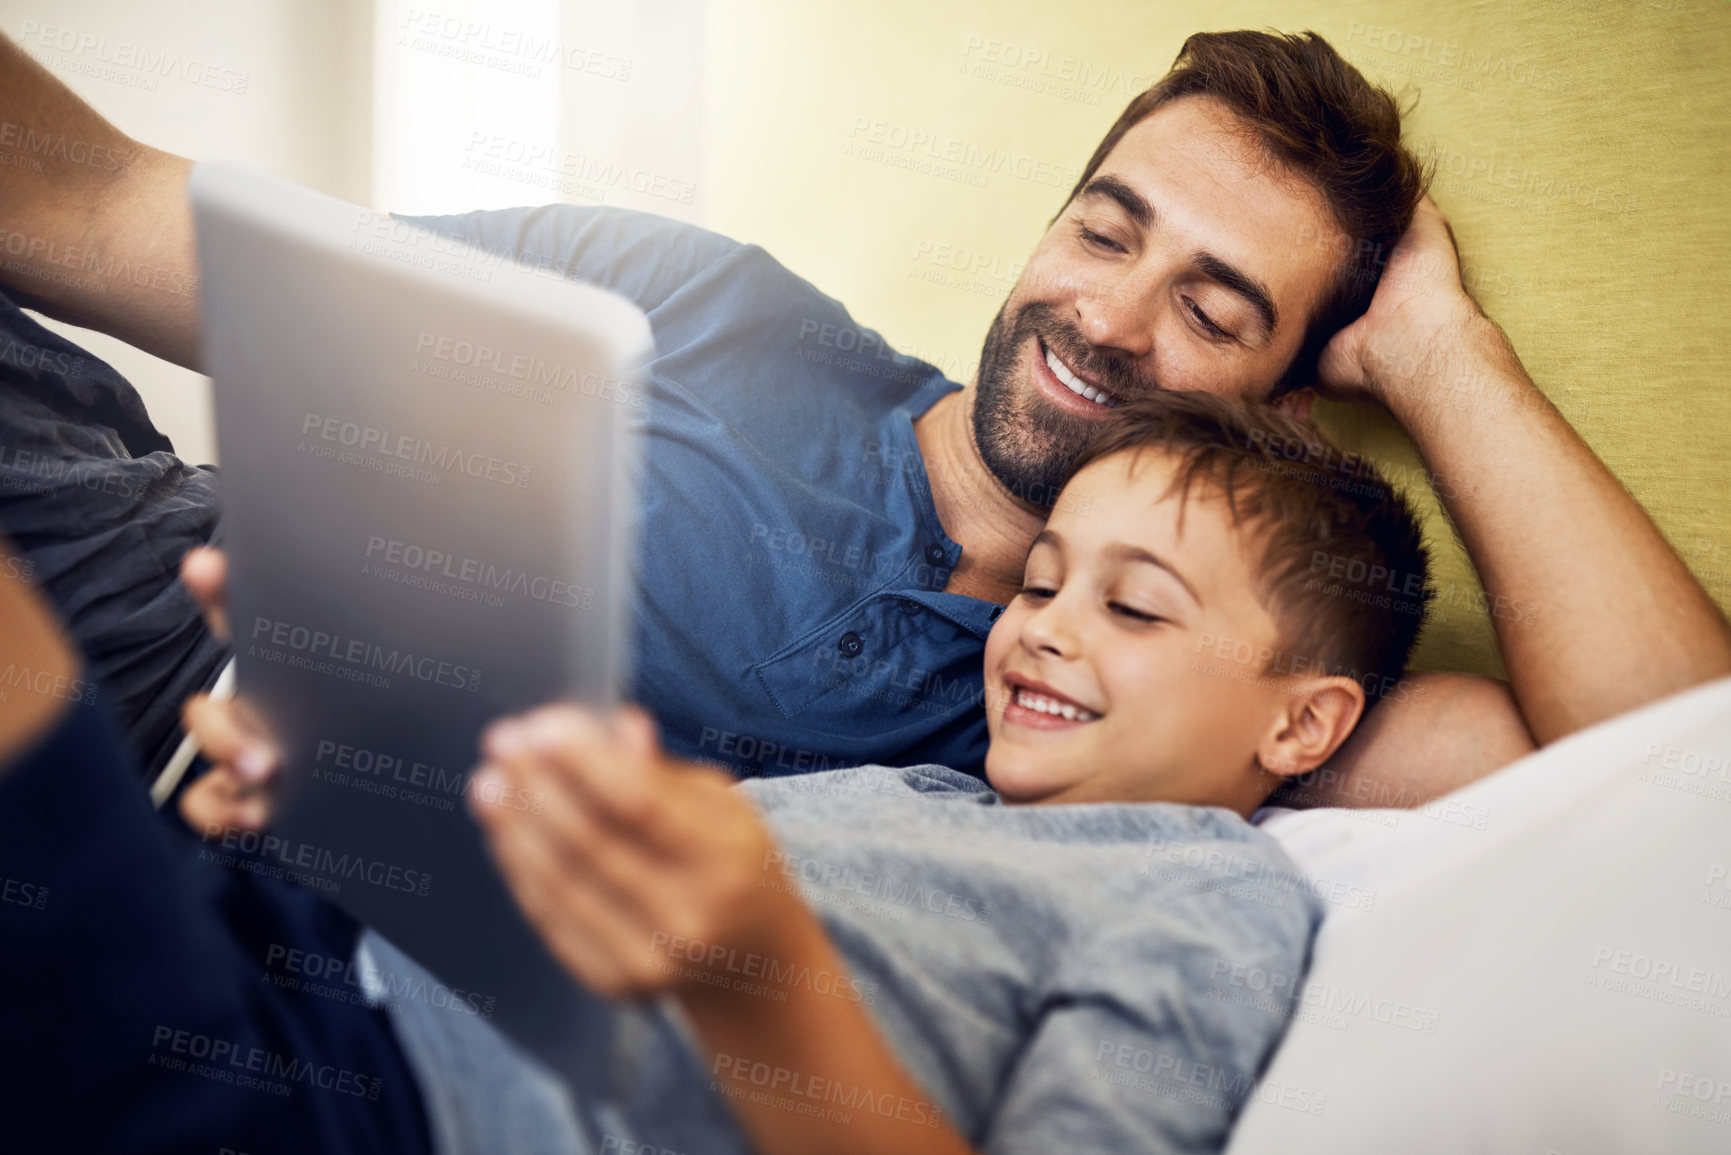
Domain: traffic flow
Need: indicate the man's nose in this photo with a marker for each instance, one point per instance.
(1116, 310)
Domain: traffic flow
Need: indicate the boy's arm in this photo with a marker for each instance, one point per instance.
(625, 860)
(1609, 618)
(813, 1044)
(97, 230)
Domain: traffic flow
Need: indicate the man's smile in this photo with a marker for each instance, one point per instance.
(1067, 387)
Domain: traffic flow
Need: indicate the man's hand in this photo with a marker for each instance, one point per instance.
(236, 793)
(1546, 524)
(615, 851)
(1421, 327)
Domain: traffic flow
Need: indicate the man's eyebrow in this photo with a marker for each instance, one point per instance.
(1241, 283)
(1128, 199)
(1123, 551)
(1229, 276)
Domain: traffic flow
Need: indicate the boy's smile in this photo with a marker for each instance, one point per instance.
(1036, 704)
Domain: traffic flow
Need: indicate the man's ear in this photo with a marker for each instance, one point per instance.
(1297, 403)
(1319, 717)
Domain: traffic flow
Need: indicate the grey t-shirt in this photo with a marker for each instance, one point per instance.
(1095, 978)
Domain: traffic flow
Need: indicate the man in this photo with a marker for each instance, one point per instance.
(1233, 221)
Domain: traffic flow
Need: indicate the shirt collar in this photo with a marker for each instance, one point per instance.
(975, 615)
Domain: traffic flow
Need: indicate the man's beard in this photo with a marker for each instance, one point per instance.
(1026, 441)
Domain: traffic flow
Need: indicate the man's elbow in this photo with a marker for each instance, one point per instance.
(1433, 733)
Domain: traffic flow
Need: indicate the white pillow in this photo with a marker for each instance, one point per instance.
(1540, 963)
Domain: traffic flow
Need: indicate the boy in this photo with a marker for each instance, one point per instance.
(1036, 960)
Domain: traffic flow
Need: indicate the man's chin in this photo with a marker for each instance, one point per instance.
(1025, 438)
(1031, 458)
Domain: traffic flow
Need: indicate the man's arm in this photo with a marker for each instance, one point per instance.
(30, 639)
(1609, 618)
(1433, 733)
(96, 228)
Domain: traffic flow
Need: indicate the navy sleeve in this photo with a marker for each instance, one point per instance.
(140, 1015)
(102, 511)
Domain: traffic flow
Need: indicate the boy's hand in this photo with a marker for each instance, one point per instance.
(236, 793)
(632, 865)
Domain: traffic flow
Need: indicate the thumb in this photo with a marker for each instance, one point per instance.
(204, 572)
(1340, 374)
(634, 730)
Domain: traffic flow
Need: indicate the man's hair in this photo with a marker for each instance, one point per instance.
(1342, 570)
(1317, 115)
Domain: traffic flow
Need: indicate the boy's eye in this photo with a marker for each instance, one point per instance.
(1035, 593)
(1132, 613)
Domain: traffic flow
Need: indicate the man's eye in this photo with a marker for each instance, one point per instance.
(1132, 613)
(1205, 320)
(1099, 239)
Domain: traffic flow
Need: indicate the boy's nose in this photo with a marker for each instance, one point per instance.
(1051, 630)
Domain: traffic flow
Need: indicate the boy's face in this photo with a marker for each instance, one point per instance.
(1101, 677)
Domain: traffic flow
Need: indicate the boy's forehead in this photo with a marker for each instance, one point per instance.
(1131, 483)
(1130, 497)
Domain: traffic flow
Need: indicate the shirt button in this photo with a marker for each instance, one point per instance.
(850, 645)
(996, 612)
(935, 554)
(909, 607)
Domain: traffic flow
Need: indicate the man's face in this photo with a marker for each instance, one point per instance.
(1180, 266)
(1093, 688)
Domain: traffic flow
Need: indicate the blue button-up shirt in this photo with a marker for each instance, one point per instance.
(791, 611)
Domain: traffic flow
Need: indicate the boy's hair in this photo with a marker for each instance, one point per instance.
(1343, 568)
(1319, 117)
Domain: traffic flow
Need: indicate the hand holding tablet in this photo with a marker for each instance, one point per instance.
(428, 504)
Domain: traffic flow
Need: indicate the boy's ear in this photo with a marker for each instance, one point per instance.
(1319, 717)
(1297, 403)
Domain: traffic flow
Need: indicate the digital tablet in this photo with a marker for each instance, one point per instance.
(427, 463)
